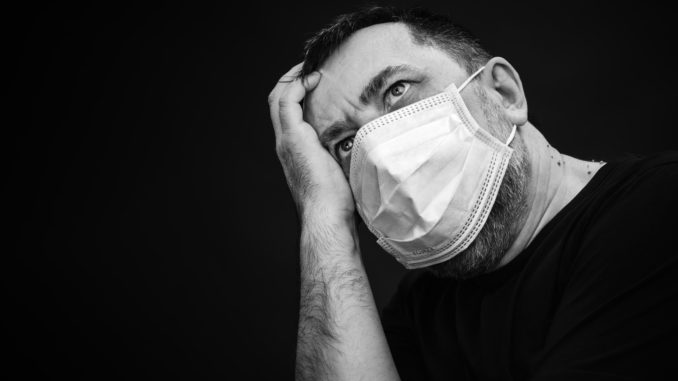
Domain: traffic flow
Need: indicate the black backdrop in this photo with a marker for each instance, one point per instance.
(152, 233)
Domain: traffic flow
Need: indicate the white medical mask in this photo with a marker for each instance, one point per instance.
(425, 177)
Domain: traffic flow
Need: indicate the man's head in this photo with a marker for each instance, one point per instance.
(378, 60)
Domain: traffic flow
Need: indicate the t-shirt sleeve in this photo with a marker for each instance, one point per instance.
(618, 315)
(396, 321)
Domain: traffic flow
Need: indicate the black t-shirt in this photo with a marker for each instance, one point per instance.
(594, 296)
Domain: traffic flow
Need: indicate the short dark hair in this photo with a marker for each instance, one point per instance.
(426, 29)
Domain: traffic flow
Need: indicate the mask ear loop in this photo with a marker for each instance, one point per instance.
(469, 79)
(513, 135)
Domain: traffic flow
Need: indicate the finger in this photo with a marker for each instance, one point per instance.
(294, 71)
(275, 115)
(273, 98)
(289, 104)
(291, 75)
(287, 78)
(297, 89)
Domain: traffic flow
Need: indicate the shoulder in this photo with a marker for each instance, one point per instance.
(627, 230)
(632, 208)
(633, 193)
(645, 173)
(617, 302)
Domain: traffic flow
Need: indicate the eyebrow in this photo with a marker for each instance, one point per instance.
(377, 82)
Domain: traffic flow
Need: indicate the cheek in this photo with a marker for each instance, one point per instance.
(488, 114)
(478, 110)
(346, 166)
(347, 173)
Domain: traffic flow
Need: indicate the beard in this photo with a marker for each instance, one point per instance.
(508, 212)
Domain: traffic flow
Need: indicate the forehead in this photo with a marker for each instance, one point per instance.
(363, 55)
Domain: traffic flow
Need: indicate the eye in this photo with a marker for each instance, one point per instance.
(343, 149)
(396, 91)
(346, 145)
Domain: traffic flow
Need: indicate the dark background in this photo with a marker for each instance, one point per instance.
(151, 230)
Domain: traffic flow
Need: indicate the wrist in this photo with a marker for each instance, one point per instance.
(333, 231)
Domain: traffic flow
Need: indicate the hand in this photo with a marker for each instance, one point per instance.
(315, 179)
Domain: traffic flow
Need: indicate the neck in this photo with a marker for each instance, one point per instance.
(554, 180)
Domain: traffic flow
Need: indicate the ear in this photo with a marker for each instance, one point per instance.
(502, 84)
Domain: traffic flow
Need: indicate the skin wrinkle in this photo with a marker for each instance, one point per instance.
(350, 101)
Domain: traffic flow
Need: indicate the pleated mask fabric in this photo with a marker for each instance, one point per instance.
(425, 177)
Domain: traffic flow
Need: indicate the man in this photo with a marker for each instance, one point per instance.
(538, 265)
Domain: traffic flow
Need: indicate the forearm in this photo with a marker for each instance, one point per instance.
(340, 335)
